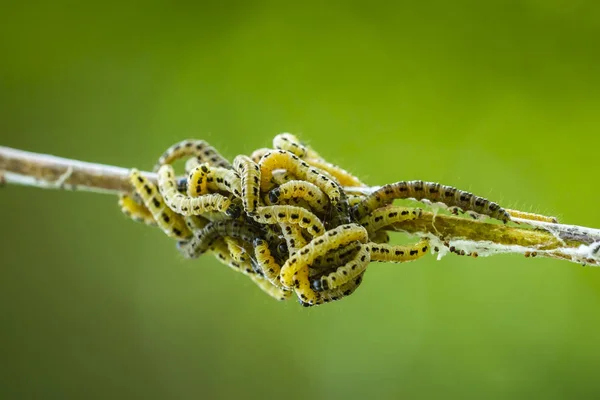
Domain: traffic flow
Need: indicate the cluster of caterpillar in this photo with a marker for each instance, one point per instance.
(285, 217)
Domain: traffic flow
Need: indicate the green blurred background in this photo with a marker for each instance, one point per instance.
(500, 97)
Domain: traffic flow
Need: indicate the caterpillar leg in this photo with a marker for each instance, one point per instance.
(200, 149)
(397, 253)
(531, 216)
(167, 220)
(250, 174)
(345, 273)
(380, 236)
(320, 246)
(273, 291)
(434, 192)
(186, 205)
(134, 210)
(339, 293)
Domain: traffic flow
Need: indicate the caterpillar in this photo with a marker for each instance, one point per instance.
(250, 174)
(289, 142)
(266, 262)
(345, 273)
(136, 211)
(282, 159)
(307, 191)
(200, 149)
(344, 290)
(388, 215)
(197, 180)
(397, 253)
(344, 177)
(291, 215)
(186, 205)
(319, 246)
(238, 249)
(202, 240)
(434, 192)
(171, 223)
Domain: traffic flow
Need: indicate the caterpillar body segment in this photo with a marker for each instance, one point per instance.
(136, 211)
(434, 192)
(387, 215)
(339, 293)
(281, 176)
(532, 216)
(200, 149)
(344, 273)
(354, 199)
(335, 258)
(238, 249)
(196, 222)
(221, 252)
(302, 287)
(281, 159)
(186, 205)
(204, 239)
(224, 180)
(250, 182)
(307, 191)
(197, 180)
(171, 223)
(289, 142)
(275, 292)
(293, 237)
(397, 253)
(258, 154)
(343, 177)
(380, 236)
(320, 246)
(291, 215)
(269, 267)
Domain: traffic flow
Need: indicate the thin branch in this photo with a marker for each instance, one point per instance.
(461, 235)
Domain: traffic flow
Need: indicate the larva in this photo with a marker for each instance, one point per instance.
(344, 177)
(249, 171)
(187, 205)
(291, 215)
(134, 210)
(434, 192)
(282, 159)
(267, 263)
(388, 215)
(397, 253)
(335, 258)
(293, 237)
(532, 216)
(196, 222)
(305, 293)
(344, 290)
(273, 291)
(238, 249)
(221, 252)
(197, 179)
(167, 220)
(319, 246)
(201, 150)
(307, 191)
(345, 273)
(202, 240)
(289, 142)
(225, 180)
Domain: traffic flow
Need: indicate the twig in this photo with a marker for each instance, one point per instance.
(462, 235)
